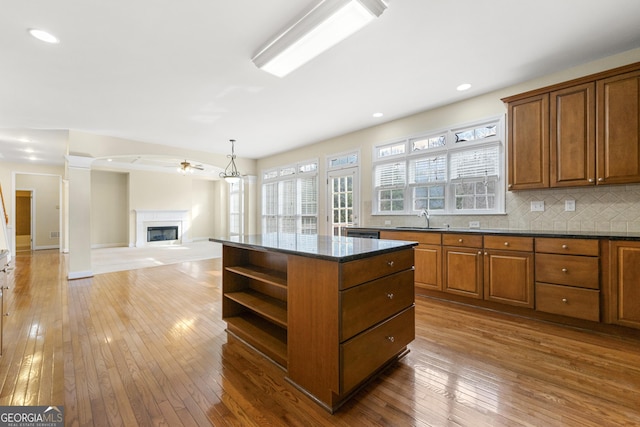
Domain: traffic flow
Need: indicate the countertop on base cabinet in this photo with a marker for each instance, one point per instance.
(332, 311)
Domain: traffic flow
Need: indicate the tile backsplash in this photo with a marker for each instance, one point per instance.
(606, 208)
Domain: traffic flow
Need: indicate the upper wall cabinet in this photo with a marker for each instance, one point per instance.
(528, 142)
(582, 132)
(618, 159)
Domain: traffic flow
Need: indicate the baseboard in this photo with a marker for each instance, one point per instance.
(41, 248)
(110, 245)
(79, 274)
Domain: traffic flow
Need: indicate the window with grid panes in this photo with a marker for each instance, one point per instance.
(458, 170)
(290, 199)
(236, 208)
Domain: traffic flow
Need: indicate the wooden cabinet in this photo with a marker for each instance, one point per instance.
(619, 129)
(427, 257)
(625, 283)
(508, 270)
(332, 325)
(528, 143)
(582, 132)
(462, 264)
(567, 275)
(347, 320)
(572, 136)
(254, 303)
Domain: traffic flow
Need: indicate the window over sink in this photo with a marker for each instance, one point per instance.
(459, 170)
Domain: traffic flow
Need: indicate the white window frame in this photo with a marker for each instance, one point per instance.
(390, 153)
(294, 213)
(350, 164)
(237, 190)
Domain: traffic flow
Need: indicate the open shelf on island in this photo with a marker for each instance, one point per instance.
(273, 309)
(265, 336)
(262, 274)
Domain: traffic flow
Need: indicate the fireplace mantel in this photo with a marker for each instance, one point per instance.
(148, 217)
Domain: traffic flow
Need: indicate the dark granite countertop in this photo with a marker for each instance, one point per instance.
(334, 248)
(611, 235)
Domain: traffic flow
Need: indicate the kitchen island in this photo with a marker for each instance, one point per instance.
(332, 311)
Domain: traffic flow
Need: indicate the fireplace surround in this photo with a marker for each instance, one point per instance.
(164, 224)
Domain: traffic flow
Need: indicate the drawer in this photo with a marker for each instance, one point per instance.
(427, 237)
(364, 354)
(568, 301)
(509, 243)
(462, 240)
(365, 305)
(587, 247)
(569, 270)
(364, 270)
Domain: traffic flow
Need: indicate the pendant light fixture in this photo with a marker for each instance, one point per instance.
(231, 174)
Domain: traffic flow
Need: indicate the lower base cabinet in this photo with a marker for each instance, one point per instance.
(625, 283)
(508, 270)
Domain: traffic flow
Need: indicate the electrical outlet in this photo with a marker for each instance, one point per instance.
(537, 206)
(387, 222)
(570, 205)
(474, 224)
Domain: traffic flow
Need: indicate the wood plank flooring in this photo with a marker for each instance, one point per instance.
(148, 348)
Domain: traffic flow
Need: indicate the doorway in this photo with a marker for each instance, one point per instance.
(343, 199)
(24, 220)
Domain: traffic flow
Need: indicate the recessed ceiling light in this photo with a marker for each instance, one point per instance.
(33, 158)
(29, 150)
(43, 36)
(463, 87)
(378, 115)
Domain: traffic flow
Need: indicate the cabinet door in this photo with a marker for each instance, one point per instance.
(508, 277)
(528, 122)
(428, 265)
(618, 137)
(572, 136)
(462, 269)
(625, 283)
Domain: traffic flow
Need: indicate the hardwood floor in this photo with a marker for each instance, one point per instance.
(148, 347)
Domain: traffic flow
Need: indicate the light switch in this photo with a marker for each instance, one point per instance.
(570, 205)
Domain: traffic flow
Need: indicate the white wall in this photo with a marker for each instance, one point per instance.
(109, 209)
(597, 209)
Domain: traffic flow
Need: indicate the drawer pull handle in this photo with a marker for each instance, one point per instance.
(479, 252)
(460, 240)
(590, 180)
(391, 339)
(564, 246)
(564, 300)
(506, 243)
(390, 295)
(564, 270)
(390, 263)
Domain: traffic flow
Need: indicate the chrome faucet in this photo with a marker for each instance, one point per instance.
(425, 214)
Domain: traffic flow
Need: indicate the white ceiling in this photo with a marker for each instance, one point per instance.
(179, 73)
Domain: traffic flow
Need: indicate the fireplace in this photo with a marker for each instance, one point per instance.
(162, 227)
(164, 233)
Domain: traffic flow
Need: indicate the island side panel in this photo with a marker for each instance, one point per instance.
(313, 319)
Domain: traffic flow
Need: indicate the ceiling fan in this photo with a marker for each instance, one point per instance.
(187, 167)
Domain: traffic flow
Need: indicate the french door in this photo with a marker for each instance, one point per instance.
(343, 199)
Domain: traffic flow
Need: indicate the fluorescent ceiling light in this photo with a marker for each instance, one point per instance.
(324, 26)
(43, 36)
